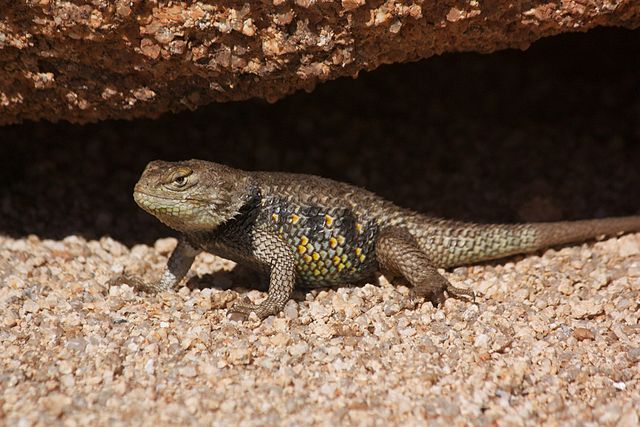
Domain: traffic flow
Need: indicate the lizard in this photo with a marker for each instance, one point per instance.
(309, 231)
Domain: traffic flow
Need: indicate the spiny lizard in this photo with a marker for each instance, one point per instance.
(311, 231)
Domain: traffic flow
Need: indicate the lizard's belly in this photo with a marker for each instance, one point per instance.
(330, 246)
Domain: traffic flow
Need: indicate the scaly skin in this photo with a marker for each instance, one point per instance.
(311, 231)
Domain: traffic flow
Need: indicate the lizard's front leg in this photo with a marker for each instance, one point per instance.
(272, 251)
(177, 267)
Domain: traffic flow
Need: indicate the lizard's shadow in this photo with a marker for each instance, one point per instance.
(238, 277)
(243, 279)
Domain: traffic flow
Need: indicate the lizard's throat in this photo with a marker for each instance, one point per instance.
(181, 215)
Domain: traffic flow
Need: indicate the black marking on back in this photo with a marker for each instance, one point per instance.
(329, 244)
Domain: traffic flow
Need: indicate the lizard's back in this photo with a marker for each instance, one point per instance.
(447, 243)
(330, 226)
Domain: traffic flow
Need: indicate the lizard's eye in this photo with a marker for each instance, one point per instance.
(180, 177)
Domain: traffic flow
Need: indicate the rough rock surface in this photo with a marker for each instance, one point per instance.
(96, 59)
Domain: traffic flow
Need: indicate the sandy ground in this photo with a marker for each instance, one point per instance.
(549, 134)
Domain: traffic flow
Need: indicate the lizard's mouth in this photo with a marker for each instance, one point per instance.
(153, 203)
(142, 197)
(137, 194)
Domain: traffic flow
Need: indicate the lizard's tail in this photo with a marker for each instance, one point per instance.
(559, 233)
(449, 244)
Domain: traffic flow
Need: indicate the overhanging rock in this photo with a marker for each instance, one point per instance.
(90, 60)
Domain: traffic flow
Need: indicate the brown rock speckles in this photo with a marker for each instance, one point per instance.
(85, 61)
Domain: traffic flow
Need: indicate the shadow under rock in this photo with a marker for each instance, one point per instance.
(550, 133)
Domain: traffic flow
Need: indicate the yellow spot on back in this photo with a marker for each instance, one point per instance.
(362, 258)
(304, 240)
(294, 218)
(341, 240)
(336, 260)
(358, 251)
(316, 272)
(340, 267)
(333, 242)
(274, 217)
(315, 256)
(358, 227)
(328, 220)
(302, 249)
(306, 258)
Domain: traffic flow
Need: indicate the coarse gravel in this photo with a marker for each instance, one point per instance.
(554, 338)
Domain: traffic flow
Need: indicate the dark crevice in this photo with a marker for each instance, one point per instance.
(550, 133)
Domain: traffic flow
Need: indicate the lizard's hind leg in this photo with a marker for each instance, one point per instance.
(398, 253)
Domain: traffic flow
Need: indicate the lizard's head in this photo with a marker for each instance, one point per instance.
(192, 195)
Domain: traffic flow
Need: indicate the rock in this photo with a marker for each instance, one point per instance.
(585, 309)
(86, 60)
(299, 349)
(629, 246)
(166, 245)
(582, 334)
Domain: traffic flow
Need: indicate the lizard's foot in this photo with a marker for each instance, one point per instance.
(241, 310)
(456, 292)
(414, 298)
(433, 288)
(438, 288)
(135, 282)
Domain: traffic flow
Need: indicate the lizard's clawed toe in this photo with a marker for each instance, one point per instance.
(437, 298)
(242, 310)
(456, 292)
(135, 282)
